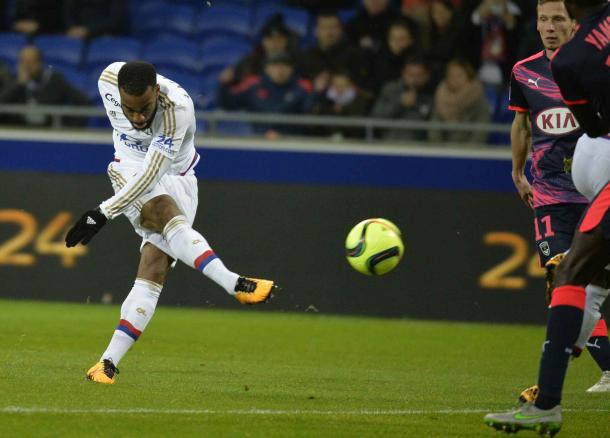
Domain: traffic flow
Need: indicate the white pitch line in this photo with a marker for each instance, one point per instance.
(269, 412)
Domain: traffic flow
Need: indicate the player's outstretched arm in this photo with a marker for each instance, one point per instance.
(85, 228)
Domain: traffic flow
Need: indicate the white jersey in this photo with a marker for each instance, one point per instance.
(166, 147)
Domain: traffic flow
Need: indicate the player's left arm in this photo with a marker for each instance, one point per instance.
(161, 153)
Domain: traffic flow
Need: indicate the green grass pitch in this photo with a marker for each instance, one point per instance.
(244, 373)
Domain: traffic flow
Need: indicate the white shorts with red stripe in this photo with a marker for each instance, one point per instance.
(182, 189)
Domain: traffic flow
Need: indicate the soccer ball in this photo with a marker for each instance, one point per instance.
(374, 246)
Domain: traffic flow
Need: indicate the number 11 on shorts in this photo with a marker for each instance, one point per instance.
(546, 220)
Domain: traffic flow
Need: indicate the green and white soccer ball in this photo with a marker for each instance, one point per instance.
(374, 246)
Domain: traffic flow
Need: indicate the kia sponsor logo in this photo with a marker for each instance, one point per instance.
(556, 121)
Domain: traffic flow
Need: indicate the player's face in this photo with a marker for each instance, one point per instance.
(140, 110)
(554, 25)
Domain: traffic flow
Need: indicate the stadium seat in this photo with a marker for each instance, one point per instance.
(60, 51)
(164, 19)
(10, 46)
(296, 19)
(209, 89)
(346, 14)
(225, 20)
(221, 52)
(77, 79)
(179, 54)
(501, 114)
(106, 50)
(192, 83)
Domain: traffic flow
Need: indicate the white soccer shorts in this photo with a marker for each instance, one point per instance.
(182, 189)
(591, 165)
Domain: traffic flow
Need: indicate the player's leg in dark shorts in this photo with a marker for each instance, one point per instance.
(554, 227)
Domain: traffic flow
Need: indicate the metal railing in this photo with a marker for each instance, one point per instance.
(56, 113)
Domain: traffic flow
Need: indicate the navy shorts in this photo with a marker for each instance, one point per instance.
(554, 227)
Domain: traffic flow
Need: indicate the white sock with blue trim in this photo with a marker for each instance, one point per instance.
(136, 312)
(192, 249)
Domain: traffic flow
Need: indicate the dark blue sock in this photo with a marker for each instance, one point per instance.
(599, 349)
(563, 328)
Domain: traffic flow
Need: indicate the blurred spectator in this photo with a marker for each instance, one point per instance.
(342, 98)
(274, 41)
(445, 35)
(368, 29)
(400, 44)
(91, 18)
(278, 91)
(37, 16)
(460, 98)
(331, 52)
(496, 22)
(409, 98)
(37, 85)
(6, 77)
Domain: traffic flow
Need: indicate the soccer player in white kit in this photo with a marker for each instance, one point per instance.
(156, 189)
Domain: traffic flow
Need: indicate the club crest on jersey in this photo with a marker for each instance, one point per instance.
(556, 121)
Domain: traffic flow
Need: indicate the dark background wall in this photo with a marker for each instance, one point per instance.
(469, 253)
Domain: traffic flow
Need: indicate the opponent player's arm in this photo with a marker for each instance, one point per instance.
(521, 140)
(589, 120)
(575, 97)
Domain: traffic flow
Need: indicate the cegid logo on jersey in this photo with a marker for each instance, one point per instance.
(556, 121)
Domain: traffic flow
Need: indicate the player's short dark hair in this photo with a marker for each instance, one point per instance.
(136, 76)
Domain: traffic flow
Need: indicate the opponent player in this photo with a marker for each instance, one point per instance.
(582, 70)
(156, 189)
(542, 119)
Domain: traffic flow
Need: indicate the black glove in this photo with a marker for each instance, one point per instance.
(86, 227)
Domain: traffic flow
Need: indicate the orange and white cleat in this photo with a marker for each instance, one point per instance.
(253, 290)
(103, 372)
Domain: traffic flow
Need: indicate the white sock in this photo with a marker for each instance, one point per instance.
(136, 312)
(595, 298)
(192, 249)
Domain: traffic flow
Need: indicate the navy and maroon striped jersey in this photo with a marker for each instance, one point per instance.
(554, 130)
(581, 67)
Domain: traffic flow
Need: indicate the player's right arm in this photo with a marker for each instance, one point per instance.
(520, 141)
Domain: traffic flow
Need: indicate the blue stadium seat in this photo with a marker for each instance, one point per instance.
(209, 89)
(60, 51)
(10, 46)
(164, 19)
(346, 14)
(296, 19)
(106, 50)
(225, 20)
(501, 114)
(221, 52)
(189, 81)
(179, 54)
(77, 79)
